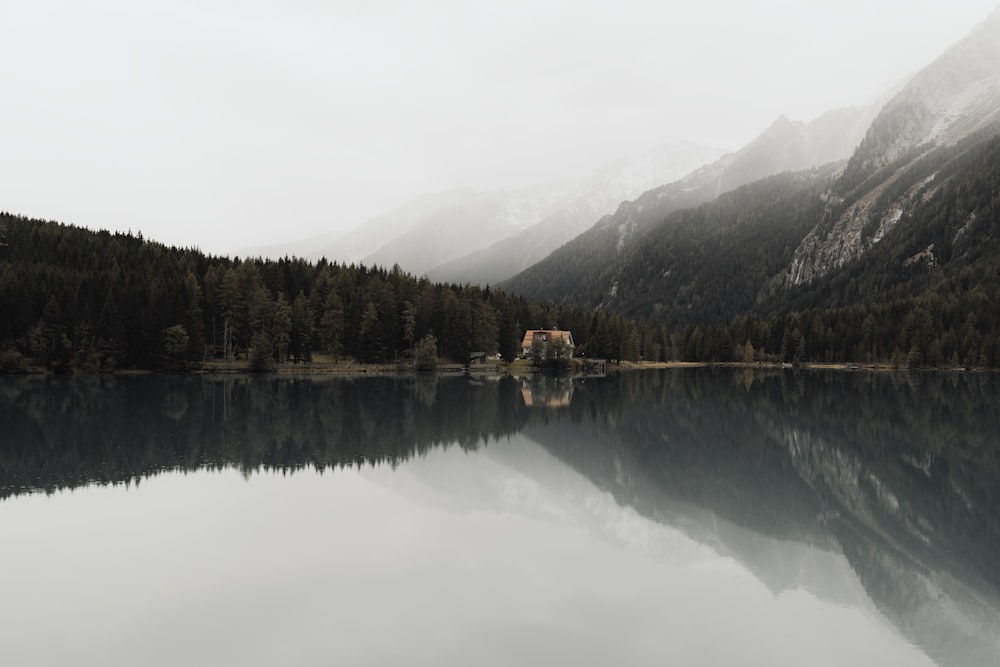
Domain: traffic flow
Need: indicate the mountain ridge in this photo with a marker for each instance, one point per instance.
(456, 227)
(954, 97)
(600, 194)
(784, 146)
(911, 212)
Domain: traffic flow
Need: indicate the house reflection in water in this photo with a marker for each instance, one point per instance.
(547, 392)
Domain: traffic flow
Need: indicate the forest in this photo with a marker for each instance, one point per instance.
(926, 294)
(78, 300)
(75, 300)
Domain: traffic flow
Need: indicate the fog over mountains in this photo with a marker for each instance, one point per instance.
(596, 196)
(434, 233)
(465, 236)
(784, 146)
(953, 98)
(920, 188)
(861, 205)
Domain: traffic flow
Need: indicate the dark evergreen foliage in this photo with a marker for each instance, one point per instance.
(77, 300)
(925, 294)
(692, 287)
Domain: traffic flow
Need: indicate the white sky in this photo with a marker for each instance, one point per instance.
(227, 124)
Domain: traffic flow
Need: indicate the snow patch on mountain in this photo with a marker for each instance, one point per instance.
(952, 98)
(950, 111)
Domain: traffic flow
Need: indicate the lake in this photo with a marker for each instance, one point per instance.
(685, 516)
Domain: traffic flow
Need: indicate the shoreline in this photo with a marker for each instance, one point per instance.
(498, 369)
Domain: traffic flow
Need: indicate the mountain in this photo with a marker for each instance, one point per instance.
(353, 246)
(784, 146)
(297, 248)
(955, 97)
(593, 198)
(470, 236)
(459, 228)
(914, 213)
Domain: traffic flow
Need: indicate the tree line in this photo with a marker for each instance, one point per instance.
(927, 293)
(77, 300)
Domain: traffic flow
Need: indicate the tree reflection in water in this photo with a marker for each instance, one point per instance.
(896, 471)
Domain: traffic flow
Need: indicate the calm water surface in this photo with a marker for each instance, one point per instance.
(689, 517)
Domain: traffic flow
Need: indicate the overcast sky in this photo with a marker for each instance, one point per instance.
(228, 124)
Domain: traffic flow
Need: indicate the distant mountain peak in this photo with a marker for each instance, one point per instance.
(595, 196)
(954, 99)
(951, 98)
(588, 265)
(783, 122)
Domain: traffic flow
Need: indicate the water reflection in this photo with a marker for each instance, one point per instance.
(853, 487)
(61, 433)
(547, 391)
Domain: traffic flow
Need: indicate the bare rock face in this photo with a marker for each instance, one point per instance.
(854, 232)
(954, 97)
(786, 145)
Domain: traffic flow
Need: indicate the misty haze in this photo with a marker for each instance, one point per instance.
(537, 333)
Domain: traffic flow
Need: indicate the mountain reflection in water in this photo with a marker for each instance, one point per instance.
(898, 473)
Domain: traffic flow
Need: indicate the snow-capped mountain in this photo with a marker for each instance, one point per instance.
(954, 98)
(913, 212)
(467, 235)
(457, 229)
(593, 198)
(784, 146)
